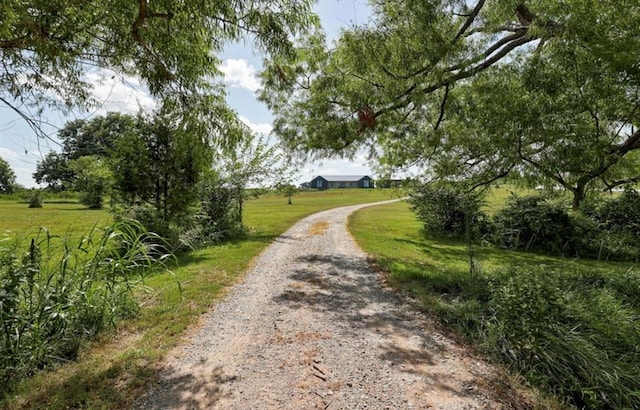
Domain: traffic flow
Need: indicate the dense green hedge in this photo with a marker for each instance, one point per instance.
(605, 230)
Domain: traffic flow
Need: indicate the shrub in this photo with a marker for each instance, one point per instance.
(448, 211)
(621, 214)
(533, 223)
(56, 294)
(35, 200)
(91, 199)
(609, 228)
(217, 217)
(145, 221)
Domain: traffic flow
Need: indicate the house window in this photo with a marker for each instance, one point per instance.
(319, 183)
(341, 184)
(365, 183)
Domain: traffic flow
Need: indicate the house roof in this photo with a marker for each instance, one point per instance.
(342, 178)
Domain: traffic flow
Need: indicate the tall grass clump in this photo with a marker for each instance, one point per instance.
(573, 333)
(56, 293)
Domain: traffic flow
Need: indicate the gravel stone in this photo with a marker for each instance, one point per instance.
(313, 327)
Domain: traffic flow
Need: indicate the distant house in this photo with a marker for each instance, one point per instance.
(342, 181)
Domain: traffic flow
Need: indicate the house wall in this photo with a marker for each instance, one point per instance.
(342, 184)
(363, 184)
(321, 183)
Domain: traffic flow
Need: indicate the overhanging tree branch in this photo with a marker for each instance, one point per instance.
(632, 143)
(404, 98)
(469, 21)
(143, 14)
(614, 184)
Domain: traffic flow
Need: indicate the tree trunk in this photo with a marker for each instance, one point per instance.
(240, 204)
(579, 193)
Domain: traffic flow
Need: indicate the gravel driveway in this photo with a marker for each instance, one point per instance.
(313, 327)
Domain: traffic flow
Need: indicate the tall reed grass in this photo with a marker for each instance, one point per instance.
(56, 293)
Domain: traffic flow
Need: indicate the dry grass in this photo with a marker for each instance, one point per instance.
(319, 228)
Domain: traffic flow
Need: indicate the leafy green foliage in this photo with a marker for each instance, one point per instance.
(533, 223)
(557, 121)
(156, 170)
(473, 91)
(160, 165)
(35, 199)
(448, 211)
(93, 180)
(609, 228)
(254, 162)
(217, 218)
(170, 45)
(83, 138)
(387, 79)
(7, 178)
(621, 214)
(54, 171)
(287, 189)
(549, 325)
(58, 293)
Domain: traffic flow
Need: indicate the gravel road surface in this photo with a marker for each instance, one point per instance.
(312, 326)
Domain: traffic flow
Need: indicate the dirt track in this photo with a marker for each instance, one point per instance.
(313, 327)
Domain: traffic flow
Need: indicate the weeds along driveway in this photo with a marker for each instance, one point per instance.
(313, 327)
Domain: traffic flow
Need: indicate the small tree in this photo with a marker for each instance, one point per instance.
(93, 180)
(217, 215)
(287, 189)
(7, 178)
(254, 164)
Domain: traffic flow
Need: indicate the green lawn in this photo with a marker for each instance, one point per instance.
(569, 326)
(112, 372)
(270, 215)
(60, 218)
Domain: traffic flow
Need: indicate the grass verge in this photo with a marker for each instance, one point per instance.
(569, 327)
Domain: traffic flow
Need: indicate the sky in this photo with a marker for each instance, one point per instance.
(20, 147)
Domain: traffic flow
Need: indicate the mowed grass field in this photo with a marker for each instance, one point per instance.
(60, 218)
(113, 371)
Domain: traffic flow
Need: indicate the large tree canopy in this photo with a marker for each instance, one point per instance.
(48, 46)
(571, 124)
(80, 138)
(394, 86)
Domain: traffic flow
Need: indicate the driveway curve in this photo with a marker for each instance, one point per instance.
(312, 326)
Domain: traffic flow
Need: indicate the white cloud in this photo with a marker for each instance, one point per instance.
(238, 73)
(118, 93)
(8, 154)
(23, 165)
(263, 128)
